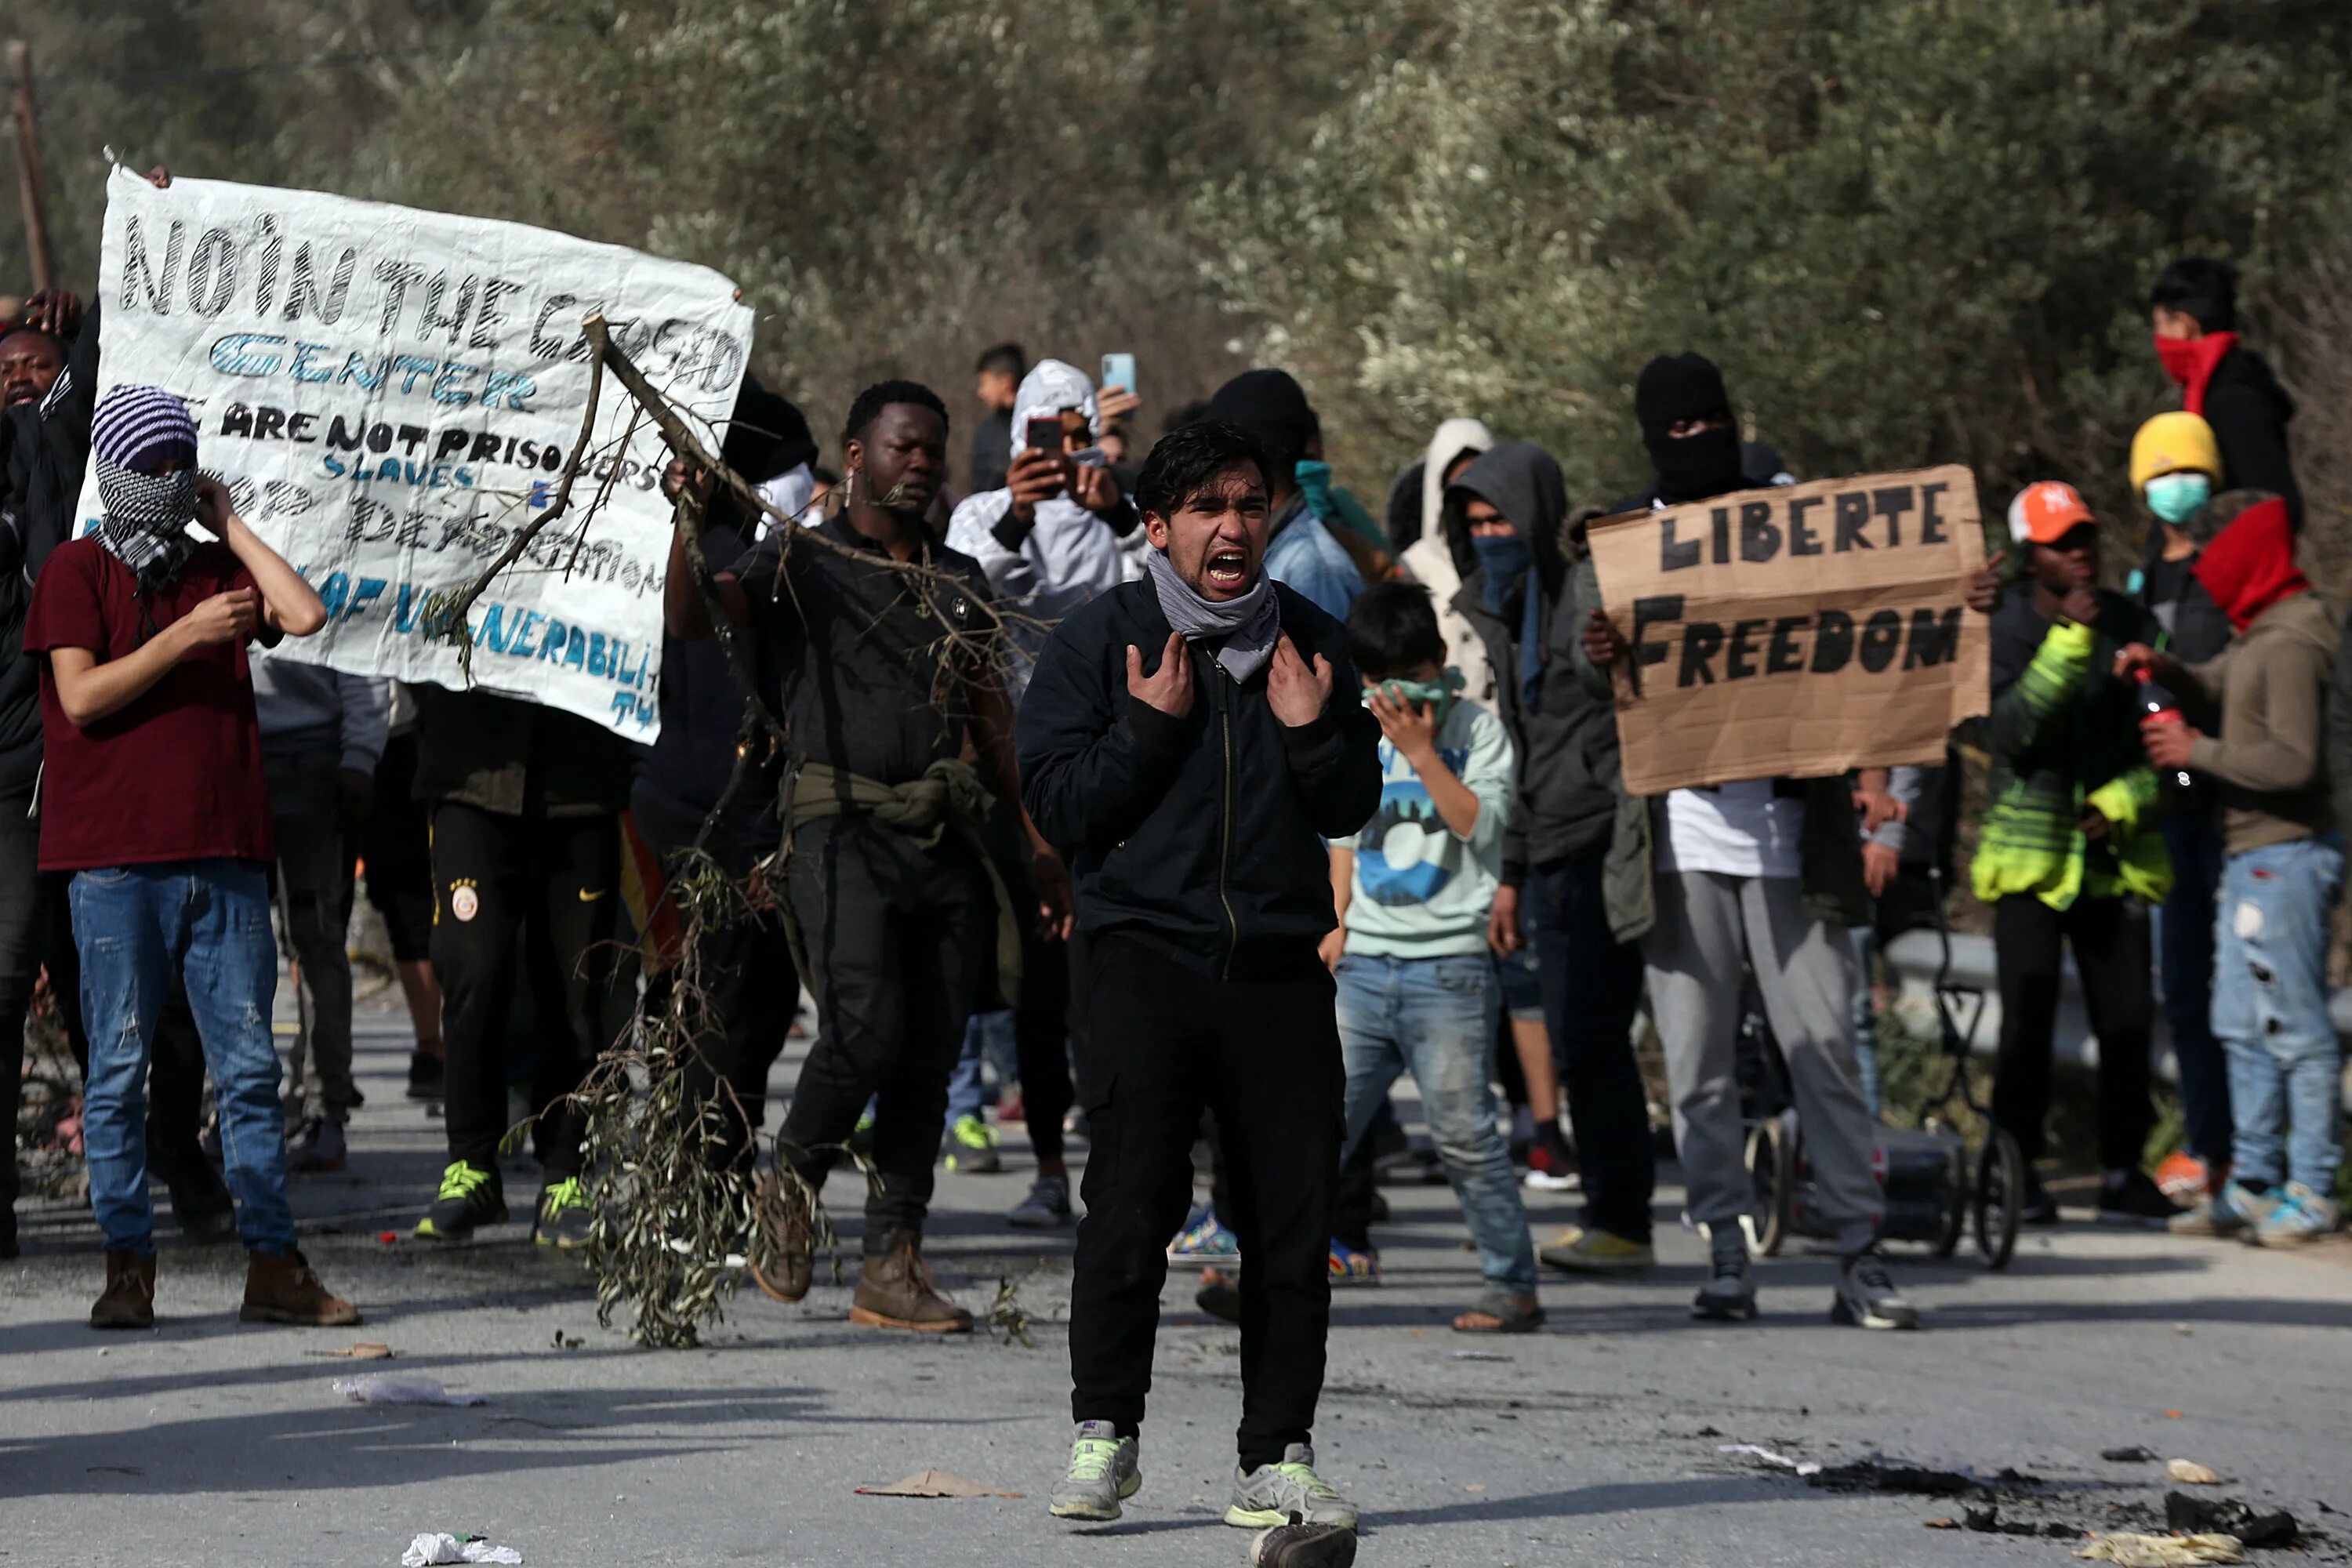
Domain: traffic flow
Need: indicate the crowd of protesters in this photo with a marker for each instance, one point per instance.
(1195, 801)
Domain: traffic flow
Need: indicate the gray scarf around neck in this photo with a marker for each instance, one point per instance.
(1248, 626)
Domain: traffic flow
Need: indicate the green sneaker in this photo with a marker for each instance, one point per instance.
(1105, 1470)
(565, 1216)
(971, 1148)
(470, 1197)
(1291, 1490)
(1581, 1250)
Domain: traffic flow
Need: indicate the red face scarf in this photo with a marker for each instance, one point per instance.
(2249, 565)
(2190, 362)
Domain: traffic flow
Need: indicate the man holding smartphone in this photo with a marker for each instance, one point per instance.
(1049, 541)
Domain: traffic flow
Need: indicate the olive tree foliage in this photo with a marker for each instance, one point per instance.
(1909, 233)
(898, 185)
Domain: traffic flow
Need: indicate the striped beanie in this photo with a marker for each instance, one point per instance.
(142, 428)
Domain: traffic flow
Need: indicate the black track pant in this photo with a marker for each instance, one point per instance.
(528, 898)
(1264, 1054)
(1042, 1022)
(2111, 941)
(897, 940)
(1591, 989)
(743, 970)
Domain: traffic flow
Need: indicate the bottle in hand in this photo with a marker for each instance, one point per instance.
(2157, 703)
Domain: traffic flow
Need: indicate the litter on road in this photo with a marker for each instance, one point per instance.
(2129, 1551)
(934, 1484)
(378, 1388)
(1779, 1461)
(431, 1549)
(2228, 1516)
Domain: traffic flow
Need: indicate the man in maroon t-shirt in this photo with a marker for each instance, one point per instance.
(153, 797)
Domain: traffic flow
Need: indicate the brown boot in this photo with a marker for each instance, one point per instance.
(896, 1292)
(784, 1250)
(128, 1300)
(284, 1290)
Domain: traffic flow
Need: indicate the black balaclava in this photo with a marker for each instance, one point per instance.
(1272, 407)
(766, 436)
(1687, 386)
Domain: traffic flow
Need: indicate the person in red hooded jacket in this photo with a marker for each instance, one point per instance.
(2283, 870)
(2193, 308)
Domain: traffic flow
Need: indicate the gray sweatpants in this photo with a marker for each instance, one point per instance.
(1708, 924)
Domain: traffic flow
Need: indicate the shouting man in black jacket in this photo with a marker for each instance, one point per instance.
(1190, 741)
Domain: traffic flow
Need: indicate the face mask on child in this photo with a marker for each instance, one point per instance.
(1440, 693)
(2178, 497)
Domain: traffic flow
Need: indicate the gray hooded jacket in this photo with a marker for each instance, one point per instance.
(1566, 738)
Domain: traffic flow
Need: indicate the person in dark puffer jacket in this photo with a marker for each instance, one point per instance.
(1190, 742)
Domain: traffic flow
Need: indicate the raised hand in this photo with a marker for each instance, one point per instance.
(1034, 477)
(1296, 694)
(227, 617)
(1984, 587)
(1604, 645)
(1169, 688)
(1410, 727)
(1095, 489)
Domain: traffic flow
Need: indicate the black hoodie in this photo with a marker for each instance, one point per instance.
(687, 771)
(1567, 738)
(44, 449)
(2249, 412)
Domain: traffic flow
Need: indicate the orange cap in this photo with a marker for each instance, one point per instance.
(2043, 513)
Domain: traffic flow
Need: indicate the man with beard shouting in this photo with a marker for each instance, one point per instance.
(883, 658)
(1190, 742)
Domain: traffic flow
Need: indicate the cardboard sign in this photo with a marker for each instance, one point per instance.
(1796, 631)
(391, 395)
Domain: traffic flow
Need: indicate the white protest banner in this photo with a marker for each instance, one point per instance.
(1796, 631)
(391, 396)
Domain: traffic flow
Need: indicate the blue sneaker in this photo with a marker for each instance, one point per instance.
(2302, 1216)
(2233, 1210)
(1204, 1241)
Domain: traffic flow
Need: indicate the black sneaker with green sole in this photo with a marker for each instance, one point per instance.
(470, 1198)
(565, 1216)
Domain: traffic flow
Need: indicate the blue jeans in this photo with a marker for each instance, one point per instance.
(987, 1037)
(2184, 957)
(1434, 1017)
(2270, 1008)
(208, 919)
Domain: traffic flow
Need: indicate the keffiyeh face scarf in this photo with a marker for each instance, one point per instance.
(147, 517)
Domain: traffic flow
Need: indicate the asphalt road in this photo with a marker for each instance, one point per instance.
(1599, 1440)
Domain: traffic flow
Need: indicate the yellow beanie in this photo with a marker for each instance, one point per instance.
(2170, 443)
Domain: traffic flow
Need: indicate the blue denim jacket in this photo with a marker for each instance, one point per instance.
(1306, 559)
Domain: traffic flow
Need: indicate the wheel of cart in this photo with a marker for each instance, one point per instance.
(2000, 1188)
(1989, 1198)
(1773, 1174)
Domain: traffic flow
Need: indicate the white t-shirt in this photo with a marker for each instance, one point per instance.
(1739, 829)
(789, 493)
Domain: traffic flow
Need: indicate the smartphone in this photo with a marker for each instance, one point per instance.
(1118, 370)
(1046, 434)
